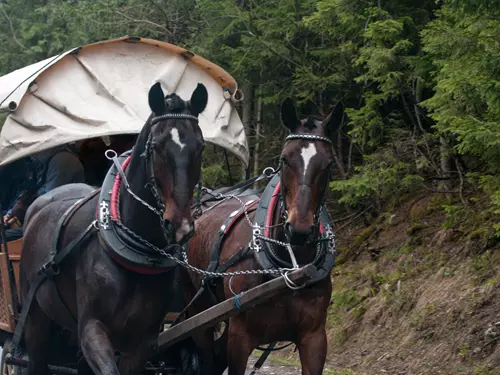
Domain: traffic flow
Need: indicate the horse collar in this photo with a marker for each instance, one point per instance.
(121, 245)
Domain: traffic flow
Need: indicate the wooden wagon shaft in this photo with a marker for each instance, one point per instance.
(226, 309)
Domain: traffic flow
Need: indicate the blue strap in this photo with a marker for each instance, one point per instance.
(237, 303)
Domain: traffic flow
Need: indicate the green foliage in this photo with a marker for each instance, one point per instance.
(382, 178)
(419, 81)
(214, 175)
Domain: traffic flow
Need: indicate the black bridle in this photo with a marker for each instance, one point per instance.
(151, 179)
(307, 137)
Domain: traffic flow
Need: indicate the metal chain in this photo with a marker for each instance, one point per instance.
(144, 203)
(230, 196)
(113, 156)
(185, 263)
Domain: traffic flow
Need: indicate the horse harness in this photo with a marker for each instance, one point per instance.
(264, 251)
(52, 267)
(119, 242)
(261, 246)
(265, 208)
(125, 247)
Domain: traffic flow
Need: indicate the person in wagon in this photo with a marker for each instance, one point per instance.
(55, 167)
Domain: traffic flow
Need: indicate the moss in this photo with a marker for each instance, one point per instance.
(359, 312)
(483, 370)
(414, 229)
(364, 235)
(346, 299)
(418, 211)
(464, 352)
(478, 234)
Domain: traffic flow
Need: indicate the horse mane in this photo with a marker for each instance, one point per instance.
(174, 103)
(310, 123)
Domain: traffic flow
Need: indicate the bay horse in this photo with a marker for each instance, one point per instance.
(290, 211)
(111, 292)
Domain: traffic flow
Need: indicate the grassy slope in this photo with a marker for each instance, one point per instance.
(415, 293)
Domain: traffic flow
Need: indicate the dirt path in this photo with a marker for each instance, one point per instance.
(271, 367)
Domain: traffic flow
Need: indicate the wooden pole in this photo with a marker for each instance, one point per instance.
(226, 309)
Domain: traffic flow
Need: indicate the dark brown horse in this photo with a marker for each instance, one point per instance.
(297, 315)
(112, 289)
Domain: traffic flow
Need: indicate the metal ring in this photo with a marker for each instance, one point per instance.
(269, 172)
(289, 283)
(230, 285)
(112, 152)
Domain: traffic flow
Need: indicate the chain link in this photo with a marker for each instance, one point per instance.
(185, 263)
(144, 203)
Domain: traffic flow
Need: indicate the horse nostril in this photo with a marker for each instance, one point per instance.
(288, 229)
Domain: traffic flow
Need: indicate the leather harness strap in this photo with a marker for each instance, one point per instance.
(262, 358)
(51, 269)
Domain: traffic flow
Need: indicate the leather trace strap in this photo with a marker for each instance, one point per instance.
(48, 270)
(262, 358)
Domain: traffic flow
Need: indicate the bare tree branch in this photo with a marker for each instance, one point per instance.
(145, 22)
(11, 27)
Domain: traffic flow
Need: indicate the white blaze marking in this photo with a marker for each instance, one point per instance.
(307, 154)
(176, 139)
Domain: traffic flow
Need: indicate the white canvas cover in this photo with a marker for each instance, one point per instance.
(102, 89)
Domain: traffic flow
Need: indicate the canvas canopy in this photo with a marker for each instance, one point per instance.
(102, 89)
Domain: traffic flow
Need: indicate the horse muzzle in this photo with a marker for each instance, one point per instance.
(185, 232)
(297, 237)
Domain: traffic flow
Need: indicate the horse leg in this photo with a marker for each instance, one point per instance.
(204, 341)
(37, 337)
(312, 352)
(130, 363)
(83, 367)
(240, 346)
(97, 348)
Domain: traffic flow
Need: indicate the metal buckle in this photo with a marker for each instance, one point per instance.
(50, 268)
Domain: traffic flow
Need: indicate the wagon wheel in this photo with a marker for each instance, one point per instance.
(6, 369)
(189, 362)
(185, 358)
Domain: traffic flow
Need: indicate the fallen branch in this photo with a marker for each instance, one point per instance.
(354, 218)
(461, 188)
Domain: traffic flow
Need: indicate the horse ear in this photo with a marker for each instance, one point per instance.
(199, 99)
(333, 121)
(288, 115)
(156, 99)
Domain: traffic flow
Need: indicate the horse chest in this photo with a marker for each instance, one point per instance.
(129, 304)
(292, 312)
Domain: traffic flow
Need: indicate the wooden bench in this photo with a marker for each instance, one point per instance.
(7, 322)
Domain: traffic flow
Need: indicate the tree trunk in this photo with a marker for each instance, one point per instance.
(258, 126)
(444, 150)
(247, 118)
